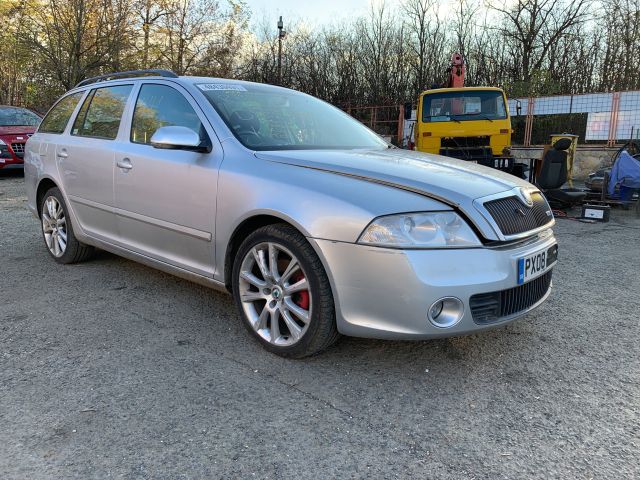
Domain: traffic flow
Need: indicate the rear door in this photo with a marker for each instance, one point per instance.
(40, 149)
(166, 199)
(86, 159)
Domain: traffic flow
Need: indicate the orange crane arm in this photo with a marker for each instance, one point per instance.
(456, 75)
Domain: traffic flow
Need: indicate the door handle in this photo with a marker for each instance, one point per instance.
(62, 153)
(125, 164)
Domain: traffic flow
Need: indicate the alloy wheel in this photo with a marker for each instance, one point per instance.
(54, 226)
(275, 294)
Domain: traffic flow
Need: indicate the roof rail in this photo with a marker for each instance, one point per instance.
(129, 74)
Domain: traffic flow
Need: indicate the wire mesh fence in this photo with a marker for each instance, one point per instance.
(385, 120)
(596, 118)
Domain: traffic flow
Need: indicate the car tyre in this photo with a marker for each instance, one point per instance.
(57, 230)
(278, 295)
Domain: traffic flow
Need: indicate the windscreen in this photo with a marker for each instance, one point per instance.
(266, 118)
(18, 117)
(463, 106)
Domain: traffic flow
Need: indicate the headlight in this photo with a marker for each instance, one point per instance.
(2, 142)
(420, 230)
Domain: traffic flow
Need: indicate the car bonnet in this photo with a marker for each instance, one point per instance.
(454, 182)
(450, 180)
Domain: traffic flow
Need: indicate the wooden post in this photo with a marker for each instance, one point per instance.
(528, 125)
(400, 125)
(613, 119)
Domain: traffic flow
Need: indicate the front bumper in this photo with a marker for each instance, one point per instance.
(9, 159)
(11, 166)
(386, 293)
(12, 151)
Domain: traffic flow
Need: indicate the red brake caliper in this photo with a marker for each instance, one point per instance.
(300, 298)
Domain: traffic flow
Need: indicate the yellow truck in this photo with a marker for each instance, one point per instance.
(470, 123)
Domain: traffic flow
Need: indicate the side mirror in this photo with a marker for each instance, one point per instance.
(179, 138)
(518, 107)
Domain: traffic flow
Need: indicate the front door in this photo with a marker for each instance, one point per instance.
(166, 199)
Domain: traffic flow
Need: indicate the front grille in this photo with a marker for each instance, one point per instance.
(18, 149)
(465, 142)
(470, 153)
(512, 216)
(491, 307)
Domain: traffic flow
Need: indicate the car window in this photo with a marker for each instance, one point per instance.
(58, 117)
(16, 116)
(101, 112)
(264, 118)
(160, 106)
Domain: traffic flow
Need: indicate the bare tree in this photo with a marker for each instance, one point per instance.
(385, 57)
(342, 47)
(426, 34)
(376, 34)
(622, 45)
(466, 14)
(533, 27)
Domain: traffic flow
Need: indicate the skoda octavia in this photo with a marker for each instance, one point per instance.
(315, 225)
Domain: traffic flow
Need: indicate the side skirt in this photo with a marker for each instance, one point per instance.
(157, 264)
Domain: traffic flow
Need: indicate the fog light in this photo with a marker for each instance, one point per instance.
(446, 312)
(436, 310)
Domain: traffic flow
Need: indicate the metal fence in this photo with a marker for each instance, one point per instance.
(597, 118)
(385, 120)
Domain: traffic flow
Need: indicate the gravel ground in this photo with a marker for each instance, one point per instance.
(110, 369)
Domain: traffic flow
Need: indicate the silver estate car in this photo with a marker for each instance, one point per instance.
(315, 224)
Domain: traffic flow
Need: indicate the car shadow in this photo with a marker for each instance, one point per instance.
(215, 325)
(161, 322)
(13, 173)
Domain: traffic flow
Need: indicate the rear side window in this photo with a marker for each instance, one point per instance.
(58, 117)
(160, 106)
(101, 112)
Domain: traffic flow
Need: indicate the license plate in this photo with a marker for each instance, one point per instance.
(534, 265)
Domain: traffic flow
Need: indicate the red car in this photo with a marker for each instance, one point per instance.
(16, 126)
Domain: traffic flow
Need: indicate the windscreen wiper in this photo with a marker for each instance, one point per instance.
(484, 116)
(448, 116)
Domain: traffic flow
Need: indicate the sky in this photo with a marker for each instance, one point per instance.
(318, 12)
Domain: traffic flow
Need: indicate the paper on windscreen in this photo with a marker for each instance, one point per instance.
(221, 86)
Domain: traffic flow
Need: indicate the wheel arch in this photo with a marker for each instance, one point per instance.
(45, 184)
(244, 228)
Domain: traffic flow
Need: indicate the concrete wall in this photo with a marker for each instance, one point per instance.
(588, 158)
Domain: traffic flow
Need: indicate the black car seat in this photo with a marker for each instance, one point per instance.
(244, 121)
(553, 174)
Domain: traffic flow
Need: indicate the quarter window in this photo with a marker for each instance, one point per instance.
(101, 112)
(160, 106)
(58, 117)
